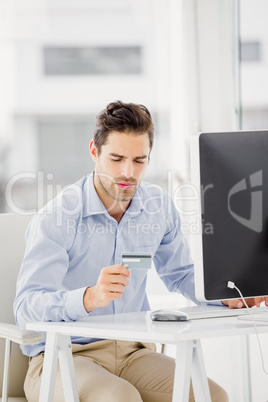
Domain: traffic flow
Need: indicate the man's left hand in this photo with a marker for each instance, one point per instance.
(253, 301)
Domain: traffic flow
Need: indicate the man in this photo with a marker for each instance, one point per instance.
(72, 266)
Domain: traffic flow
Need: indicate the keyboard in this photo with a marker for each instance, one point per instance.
(208, 311)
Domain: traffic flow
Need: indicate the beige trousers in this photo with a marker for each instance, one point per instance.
(116, 371)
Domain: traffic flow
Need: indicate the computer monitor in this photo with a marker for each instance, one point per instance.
(231, 172)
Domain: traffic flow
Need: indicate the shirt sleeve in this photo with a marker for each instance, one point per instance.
(40, 294)
(173, 260)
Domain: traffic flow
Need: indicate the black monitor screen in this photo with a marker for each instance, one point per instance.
(234, 180)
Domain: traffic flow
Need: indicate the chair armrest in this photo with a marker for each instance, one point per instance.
(15, 334)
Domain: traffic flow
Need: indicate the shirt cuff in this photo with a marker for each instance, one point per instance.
(215, 303)
(74, 304)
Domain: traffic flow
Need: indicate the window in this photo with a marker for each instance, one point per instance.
(254, 64)
(250, 51)
(92, 60)
(64, 148)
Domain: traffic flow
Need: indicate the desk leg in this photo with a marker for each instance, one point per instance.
(58, 346)
(67, 369)
(199, 378)
(189, 360)
(49, 369)
(182, 376)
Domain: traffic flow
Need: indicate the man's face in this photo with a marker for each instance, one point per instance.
(120, 166)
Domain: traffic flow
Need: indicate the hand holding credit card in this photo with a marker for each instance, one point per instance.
(137, 260)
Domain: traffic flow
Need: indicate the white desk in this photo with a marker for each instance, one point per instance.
(137, 327)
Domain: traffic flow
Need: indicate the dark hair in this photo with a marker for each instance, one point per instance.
(124, 118)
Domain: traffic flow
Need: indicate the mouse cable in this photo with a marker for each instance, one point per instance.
(231, 285)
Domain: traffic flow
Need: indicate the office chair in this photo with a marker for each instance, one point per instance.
(13, 363)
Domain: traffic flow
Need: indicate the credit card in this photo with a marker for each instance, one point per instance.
(136, 260)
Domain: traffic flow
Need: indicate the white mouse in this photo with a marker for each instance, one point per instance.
(169, 315)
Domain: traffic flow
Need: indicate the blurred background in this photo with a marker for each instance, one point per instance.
(198, 65)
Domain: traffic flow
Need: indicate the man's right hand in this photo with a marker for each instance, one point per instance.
(110, 286)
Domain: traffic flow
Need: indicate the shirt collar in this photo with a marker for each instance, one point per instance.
(94, 206)
(136, 205)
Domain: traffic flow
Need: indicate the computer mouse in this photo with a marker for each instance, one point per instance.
(169, 315)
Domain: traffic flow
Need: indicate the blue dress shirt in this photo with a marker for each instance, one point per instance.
(73, 237)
